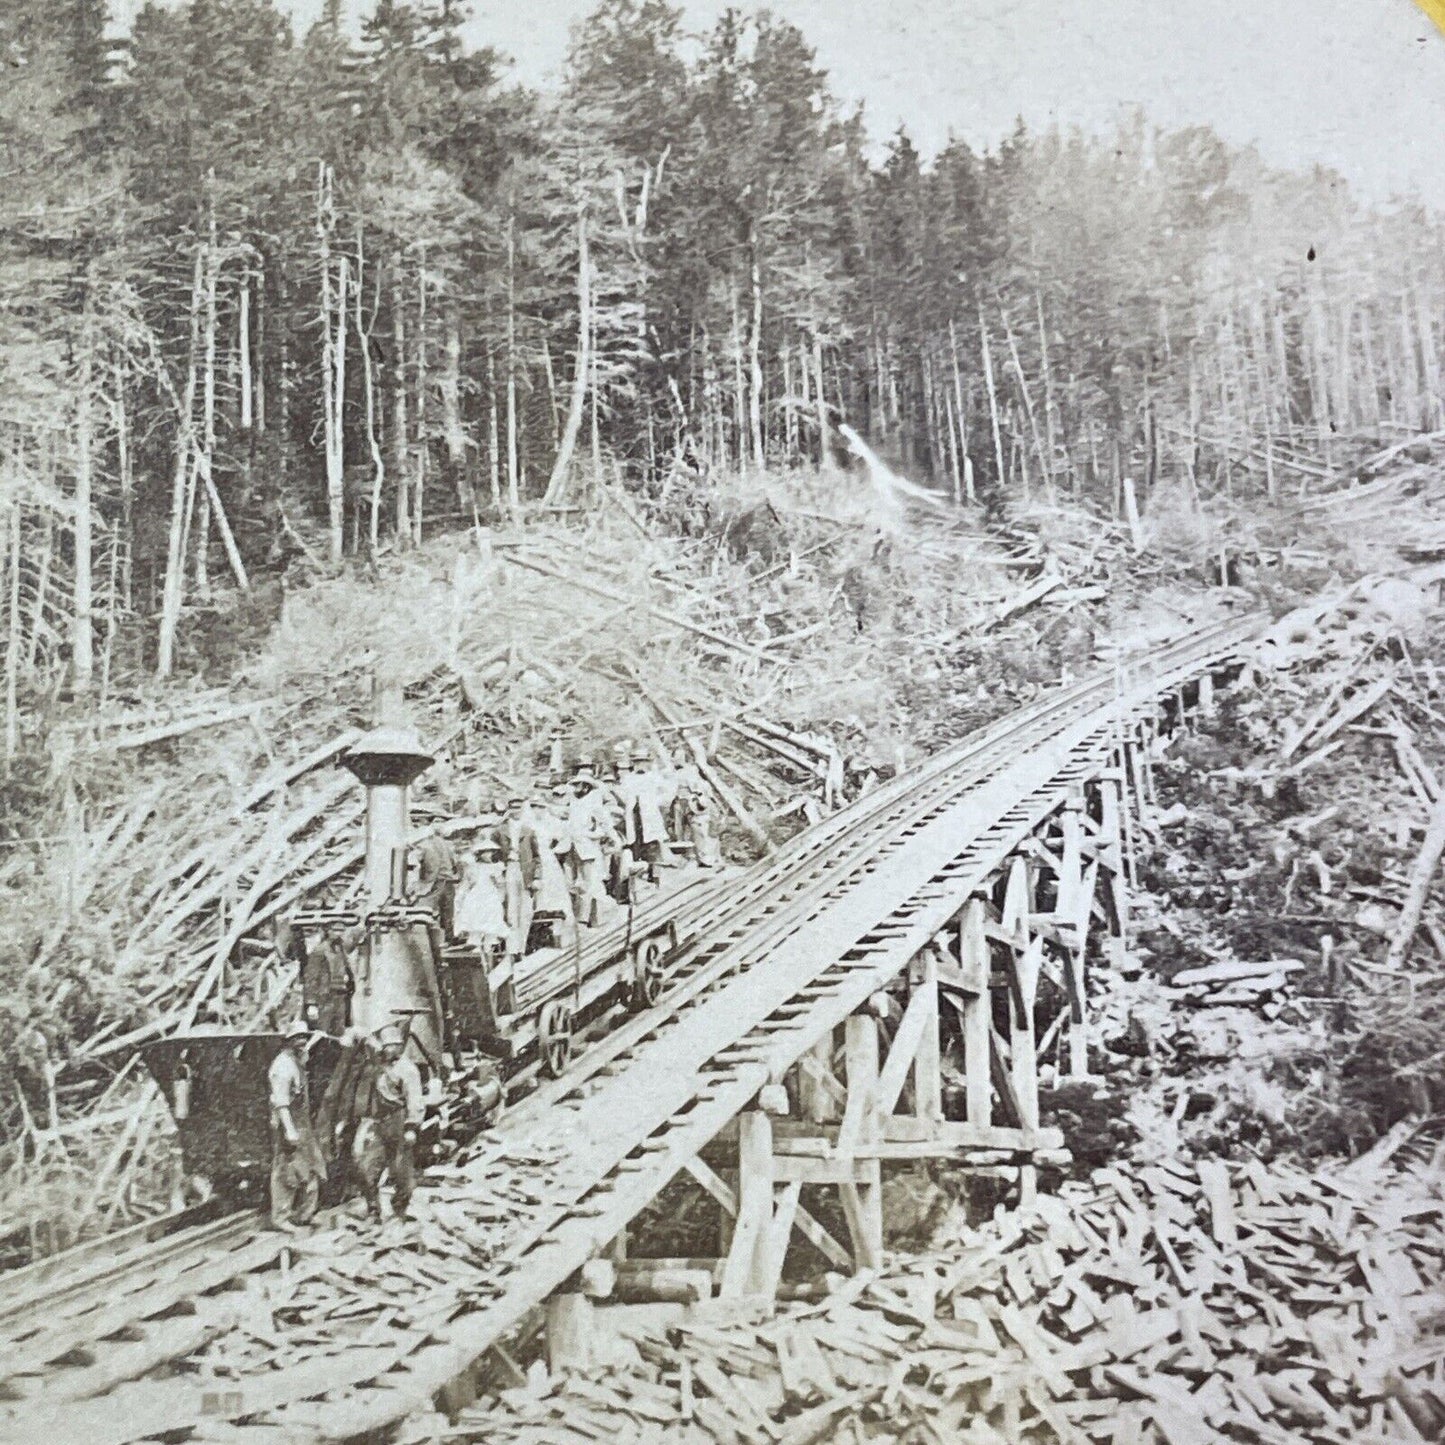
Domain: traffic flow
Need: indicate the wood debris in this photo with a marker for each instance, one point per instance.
(1172, 1304)
(1223, 984)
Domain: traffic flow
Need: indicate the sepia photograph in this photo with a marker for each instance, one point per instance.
(722, 723)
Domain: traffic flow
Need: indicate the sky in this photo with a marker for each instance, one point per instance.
(1355, 84)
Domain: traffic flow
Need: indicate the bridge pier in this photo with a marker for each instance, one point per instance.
(872, 1091)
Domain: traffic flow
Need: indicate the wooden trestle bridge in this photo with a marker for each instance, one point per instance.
(798, 1045)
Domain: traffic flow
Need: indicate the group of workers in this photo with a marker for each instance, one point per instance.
(383, 1140)
(549, 862)
(540, 865)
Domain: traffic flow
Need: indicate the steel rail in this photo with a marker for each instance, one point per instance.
(107, 1279)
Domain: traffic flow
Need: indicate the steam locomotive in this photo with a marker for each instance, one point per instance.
(476, 1025)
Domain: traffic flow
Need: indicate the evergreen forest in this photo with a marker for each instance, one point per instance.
(266, 294)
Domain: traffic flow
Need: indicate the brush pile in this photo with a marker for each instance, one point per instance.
(189, 819)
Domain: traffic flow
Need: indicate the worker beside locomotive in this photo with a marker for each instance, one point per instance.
(454, 963)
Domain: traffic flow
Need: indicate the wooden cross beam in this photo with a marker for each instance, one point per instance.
(919, 1019)
(803, 1221)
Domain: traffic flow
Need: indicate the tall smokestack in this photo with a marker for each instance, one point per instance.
(398, 978)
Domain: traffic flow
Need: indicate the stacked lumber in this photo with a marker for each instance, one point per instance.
(1170, 1303)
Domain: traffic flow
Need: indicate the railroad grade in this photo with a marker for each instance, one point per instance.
(383, 1319)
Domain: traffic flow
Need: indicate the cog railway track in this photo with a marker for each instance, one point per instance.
(188, 1333)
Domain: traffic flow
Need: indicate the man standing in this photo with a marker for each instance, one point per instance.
(297, 1167)
(590, 832)
(387, 1137)
(516, 839)
(436, 887)
(691, 819)
(644, 826)
(327, 985)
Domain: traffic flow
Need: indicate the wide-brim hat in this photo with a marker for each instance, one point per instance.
(300, 1029)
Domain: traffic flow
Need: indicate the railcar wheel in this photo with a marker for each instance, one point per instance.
(554, 1038)
(647, 978)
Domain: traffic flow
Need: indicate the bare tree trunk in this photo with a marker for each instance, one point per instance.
(879, 417)
(173, 589)
(398, 404)
(111, 603)
(953, 462)
(1285, 383)
(1344, 358)
(418, 500)
(82, 642)
(1367, 345)
(740, 404)
(260, 371)
(596, 408)
(961, 413)
(333, 365)
(285, 411)
(243, 351)
(992, 398)
(1433, 411)
(223, 525)
(514, 488)
(42, 595)
(12, 645)
(557, 482)
(125, 468)
(755, 356)
(454, 433)
(790, 411)
(364, 332)
(820, 392)
(494, 436)
(1044, 462)
(208, 397)
(553, 406)
(1048, 372)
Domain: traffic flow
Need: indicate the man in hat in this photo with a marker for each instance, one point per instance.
(551, 898)
(644, 827)
(386, 1138)
(327, 984)
(591, 835)
(297, 1166)
(436, 886)
(691, 819)
(516, 840)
